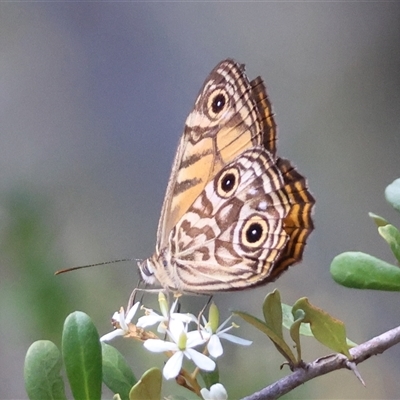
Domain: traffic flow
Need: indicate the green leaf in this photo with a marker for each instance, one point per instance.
(210, 378)
(288, 321)
(392, 236)
(272, 310)
(42, 368)
(392, 194)
(82, 356)
(295, 331)
(305, 329)
(362, 271)
(329, 331)
(279, 343)
(379, 221)
(149, 386)
(117, 374)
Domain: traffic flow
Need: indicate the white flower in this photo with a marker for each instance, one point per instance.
(214, 333)
(122, 322)
(216, 392)
(182, 343)
(151, 317)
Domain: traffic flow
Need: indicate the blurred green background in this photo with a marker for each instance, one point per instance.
(93, 100)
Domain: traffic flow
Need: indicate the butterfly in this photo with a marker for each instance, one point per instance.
(235, 215)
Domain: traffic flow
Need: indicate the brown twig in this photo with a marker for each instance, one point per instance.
(376, 345)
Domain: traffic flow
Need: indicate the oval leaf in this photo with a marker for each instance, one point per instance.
(392, 194)
(117, 375)
(392, 236)
(272, 310)
(42, 368)
(149, 386)
(329, 331)
(82, 356)
(279, 343)
(362, 271)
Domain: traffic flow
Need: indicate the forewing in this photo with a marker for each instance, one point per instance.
(230, 115)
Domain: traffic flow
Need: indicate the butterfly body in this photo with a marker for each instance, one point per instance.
(235, 215)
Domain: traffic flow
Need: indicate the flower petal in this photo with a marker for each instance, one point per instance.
(202, 361)
(148, 320)
(132, 312)
(158, 345)
(174, 304)
(195, 338)
(185, 318)
(173, 366)
(115, 317)
(235, 339)
(162, 327)
(111, 335)
(206, 394)
(121, 320)
(214, 346)
(218, 392)
(176, 327)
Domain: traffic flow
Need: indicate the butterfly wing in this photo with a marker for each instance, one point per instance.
(245, 220)
(298, 223)
(210, 240)
(231, 114)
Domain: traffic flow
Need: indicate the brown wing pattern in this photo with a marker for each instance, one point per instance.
(298, 223)
(235, 215)
(231, 236)
(267, 121)
(229, 116)
(211, 248)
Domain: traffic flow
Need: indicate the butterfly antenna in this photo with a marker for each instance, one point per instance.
(61, 271)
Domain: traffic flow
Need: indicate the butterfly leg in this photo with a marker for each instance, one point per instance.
(135, 291)
(202, 312)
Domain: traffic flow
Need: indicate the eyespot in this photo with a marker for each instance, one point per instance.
(228, 182)
(254, 232)
(217, 102)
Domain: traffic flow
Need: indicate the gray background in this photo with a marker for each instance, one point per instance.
(93, 97)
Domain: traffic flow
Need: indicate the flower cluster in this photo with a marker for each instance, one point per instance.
(178, 341)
